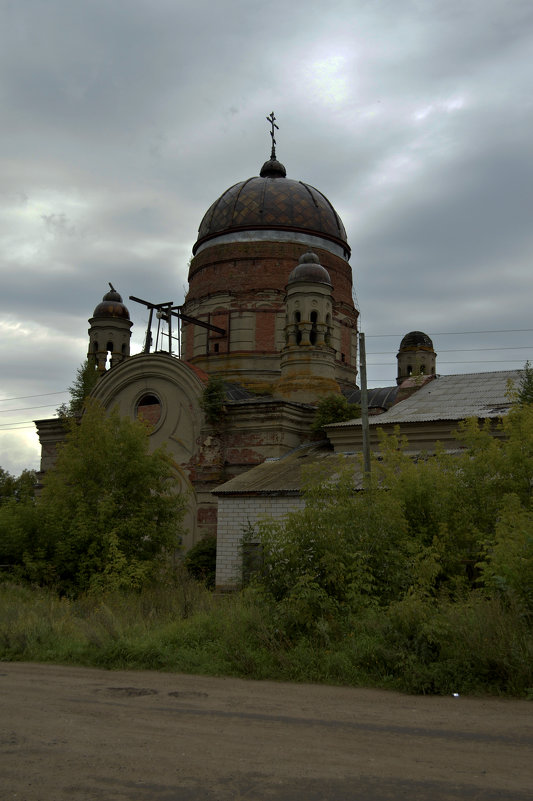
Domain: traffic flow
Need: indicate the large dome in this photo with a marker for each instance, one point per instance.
(272, 202)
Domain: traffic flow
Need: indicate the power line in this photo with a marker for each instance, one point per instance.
(42, 395)
(459, 333)
(25, 408)
(17, 423)
(16, 428)
(474, 361)
(459, 350)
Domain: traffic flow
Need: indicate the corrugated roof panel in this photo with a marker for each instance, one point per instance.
(284, 475)
(451, 397)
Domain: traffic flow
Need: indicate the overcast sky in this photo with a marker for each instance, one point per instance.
(122, 121)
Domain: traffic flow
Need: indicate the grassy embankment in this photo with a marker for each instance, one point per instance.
(476, 647)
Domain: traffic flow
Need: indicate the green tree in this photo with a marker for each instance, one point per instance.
(7, 485)
(200, 560)
(525, 386)
(17, 514)
(334, 409)
(508, 564)
(80, 389)
(438, 526)
(109, 513)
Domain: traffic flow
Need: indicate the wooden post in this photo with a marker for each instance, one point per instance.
(364, 407)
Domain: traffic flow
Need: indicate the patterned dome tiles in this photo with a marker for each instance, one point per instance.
(272, 203)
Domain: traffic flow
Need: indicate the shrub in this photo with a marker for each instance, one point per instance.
(200, 561)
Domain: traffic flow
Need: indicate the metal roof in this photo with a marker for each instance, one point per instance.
(286, 475)
(378, 397)
(451, 397)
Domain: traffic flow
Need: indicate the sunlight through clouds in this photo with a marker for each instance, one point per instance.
(442, 106)
(328, 77)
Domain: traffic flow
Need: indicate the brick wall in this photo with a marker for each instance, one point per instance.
(235, 516)
(250, 266)
(150, 413)
(265, 329)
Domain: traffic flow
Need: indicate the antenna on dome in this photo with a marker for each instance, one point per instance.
(271, 120)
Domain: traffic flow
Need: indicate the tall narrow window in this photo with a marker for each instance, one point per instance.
(297, 318)
(313, 333)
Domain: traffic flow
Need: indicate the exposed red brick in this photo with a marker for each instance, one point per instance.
(149, 413)
(187, 338)
(346, 343)
(251, 266)
(265, 323)
(206, 515)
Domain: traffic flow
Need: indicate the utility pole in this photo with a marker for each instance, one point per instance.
(364, 407)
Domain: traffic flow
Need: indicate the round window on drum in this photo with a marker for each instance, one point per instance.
(149, 409)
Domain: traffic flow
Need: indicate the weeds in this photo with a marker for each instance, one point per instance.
(475, 646)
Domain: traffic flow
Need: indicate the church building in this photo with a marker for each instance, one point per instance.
(269, 314)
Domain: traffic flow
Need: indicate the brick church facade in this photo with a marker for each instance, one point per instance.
(268, 311)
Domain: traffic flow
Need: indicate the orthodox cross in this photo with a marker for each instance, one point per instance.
(271, 120)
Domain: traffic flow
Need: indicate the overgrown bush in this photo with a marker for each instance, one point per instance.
(201, 559)
(212, 401)
(334, 409)
(108, 515)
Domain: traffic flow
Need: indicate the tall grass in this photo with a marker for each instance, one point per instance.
(479, 646)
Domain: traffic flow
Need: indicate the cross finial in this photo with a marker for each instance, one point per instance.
(271, 119)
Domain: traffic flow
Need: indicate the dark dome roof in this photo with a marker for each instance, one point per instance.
(272, 201)
(111, 306)
(416, 339)
(310, 269)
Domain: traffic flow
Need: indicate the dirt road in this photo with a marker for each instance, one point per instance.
(80, 734)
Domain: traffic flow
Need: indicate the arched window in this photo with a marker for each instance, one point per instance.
(109, 357)
(312, 335)
(297, 318)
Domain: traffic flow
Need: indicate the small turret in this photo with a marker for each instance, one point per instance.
(416, 356)
(308, 359)
(109, 332)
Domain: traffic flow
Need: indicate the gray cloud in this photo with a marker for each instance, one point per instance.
(121, 122)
